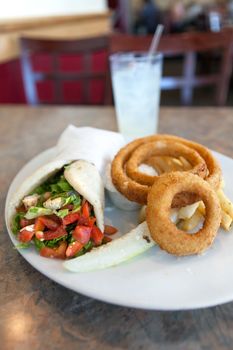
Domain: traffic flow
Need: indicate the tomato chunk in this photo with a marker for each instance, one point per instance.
(82, 234)
(55, 234)
(39, 224)
(109, 230)
(55, 218)
(86, 209)
(25, 222)
(86, 221)
(96, 235)
(25, 235)
(73, 248)
(70, 218)
(106, 239)
(49, 222)
(58, 252)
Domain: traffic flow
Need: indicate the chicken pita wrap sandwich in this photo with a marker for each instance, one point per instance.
(59, 209)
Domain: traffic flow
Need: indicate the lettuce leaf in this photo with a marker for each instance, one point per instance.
(16, 222)
(55, 184)
(22, 245)
(64, 185)
(38, 244)
(74, 199)
(62, 213)
(61, 185)
(34, 212)
(54, 188)
(70, 197)
(41, 189)
(88, 246)
(52, 243)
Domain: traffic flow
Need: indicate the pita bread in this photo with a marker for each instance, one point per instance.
(82, 176)
(86, 180)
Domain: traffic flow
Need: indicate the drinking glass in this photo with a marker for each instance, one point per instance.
(136, 89)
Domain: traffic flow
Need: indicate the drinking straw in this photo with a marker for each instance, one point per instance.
(155, 41)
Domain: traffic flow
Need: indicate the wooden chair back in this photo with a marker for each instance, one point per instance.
(54, 48)
(188, 45)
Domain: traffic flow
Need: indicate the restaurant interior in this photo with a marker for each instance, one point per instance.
(116, 157)
(58, 53)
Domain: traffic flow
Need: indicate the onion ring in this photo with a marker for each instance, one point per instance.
(137, 192)
(185, 164)
(214, 176)
(164, 148)
(159, 164)
(166, 164)
(163, 231)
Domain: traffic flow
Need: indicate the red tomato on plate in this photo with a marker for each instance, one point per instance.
(50, 223)
(70, 218)
(86, 221)
(26, 235)
(106, 239)
(109, 230)
(39, 225)
(55, 234)
(59, 252)
(96, 235)
(25, 222)
(82, 234)
(86, 210)
(73, 248)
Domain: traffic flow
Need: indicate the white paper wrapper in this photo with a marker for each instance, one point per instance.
(98, 147)
(94, 145)
(116, 197)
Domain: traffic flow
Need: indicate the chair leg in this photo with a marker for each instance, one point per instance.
(28, 80)
(108, 98)
(188, 73)
(222, 87)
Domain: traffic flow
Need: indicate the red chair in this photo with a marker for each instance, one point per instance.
(85, 48)
(188, 45)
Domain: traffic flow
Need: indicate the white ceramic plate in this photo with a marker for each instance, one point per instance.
(154, 280)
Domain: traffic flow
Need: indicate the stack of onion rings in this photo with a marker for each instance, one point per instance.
(124, 165)
(165, 148)
(163, 231)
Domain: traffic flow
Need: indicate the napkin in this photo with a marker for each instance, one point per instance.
(97, 146)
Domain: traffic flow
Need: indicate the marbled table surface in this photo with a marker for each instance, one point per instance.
(36, 313)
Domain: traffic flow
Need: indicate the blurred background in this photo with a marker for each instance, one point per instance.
(56, 52)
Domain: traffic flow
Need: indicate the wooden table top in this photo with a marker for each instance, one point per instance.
(36, 313)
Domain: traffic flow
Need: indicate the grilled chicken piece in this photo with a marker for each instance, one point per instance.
(54, 204)
(31, 200)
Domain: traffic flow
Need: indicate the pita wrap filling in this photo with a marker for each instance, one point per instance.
(60, 210)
